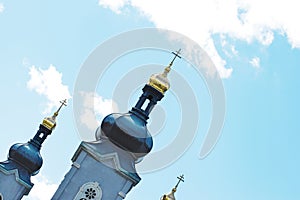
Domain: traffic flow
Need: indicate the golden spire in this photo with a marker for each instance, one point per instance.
(160, 81)
(171, 196)
(49, 122)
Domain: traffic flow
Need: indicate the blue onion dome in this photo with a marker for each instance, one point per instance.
(128, 132)
(26, 155)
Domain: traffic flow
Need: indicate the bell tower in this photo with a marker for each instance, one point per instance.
(24, 161)
(105, 169)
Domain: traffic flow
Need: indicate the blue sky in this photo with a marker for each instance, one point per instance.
(254, 45)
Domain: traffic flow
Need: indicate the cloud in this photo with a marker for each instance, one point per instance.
(229, 49)
(43, 189)
(245, 20)
(255, 62)
(48, 83)
(95, 108)
(114, 5)
(1, 7)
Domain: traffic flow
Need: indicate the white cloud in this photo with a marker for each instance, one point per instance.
(114, 5)
(43, 189)
(255, 62)
(1, 7)
(227, 48)
(49, 84)
(95, 108)
(246, 20)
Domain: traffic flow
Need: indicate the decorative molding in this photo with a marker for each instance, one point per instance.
(75, 164)
(122, 194)
(18, 179)
(110, 156)
(89, 190)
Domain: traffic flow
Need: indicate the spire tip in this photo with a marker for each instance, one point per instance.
(49, 122)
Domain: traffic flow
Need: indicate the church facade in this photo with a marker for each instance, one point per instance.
(101, 170)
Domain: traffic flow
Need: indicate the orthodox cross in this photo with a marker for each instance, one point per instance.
(176, 53)
(63, 103)
(180, 179)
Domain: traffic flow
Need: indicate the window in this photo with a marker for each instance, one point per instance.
(90, 190)
(144, 106)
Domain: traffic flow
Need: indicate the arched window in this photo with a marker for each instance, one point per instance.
(90, 190)
(1, 197)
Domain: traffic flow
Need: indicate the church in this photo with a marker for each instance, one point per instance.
(100, 170)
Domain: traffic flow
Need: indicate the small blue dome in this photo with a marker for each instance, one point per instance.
(27, 155)
(129, 132)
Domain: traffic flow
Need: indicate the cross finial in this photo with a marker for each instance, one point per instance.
(176, 53)
(180, 179)
(171, 195)
(167, 69)
(63, 103)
